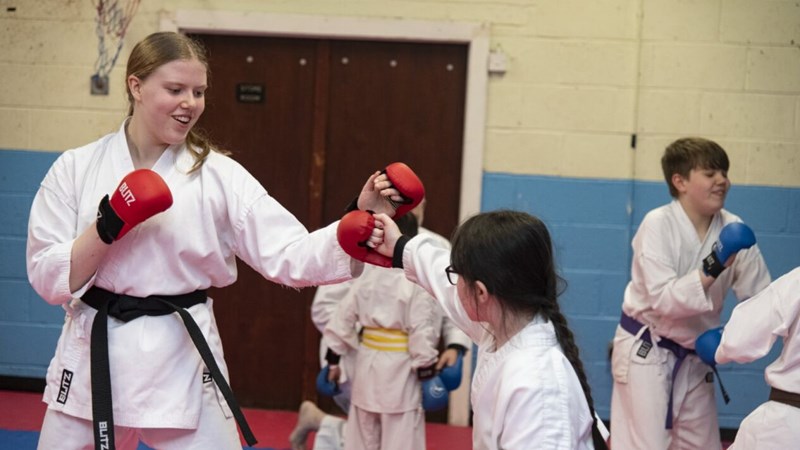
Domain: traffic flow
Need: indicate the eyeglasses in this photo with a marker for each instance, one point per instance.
(452, 275)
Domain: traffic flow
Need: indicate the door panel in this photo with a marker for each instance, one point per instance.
(262, 324)
(332, 112)
(397, 102)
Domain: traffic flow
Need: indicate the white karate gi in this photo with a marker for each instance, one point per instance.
(386, 411)
(327, 299)
(666, 295)
(219, 212)
(526, 393)
(749, 335)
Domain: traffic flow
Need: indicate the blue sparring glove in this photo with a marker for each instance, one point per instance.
(325, 386)
(434, 394)
(706, 345)
(451, 375)
(734, 236)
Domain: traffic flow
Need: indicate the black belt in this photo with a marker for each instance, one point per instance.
(127, 308)
(633, 326)
(787, 398)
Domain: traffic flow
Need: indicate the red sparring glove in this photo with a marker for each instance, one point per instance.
(139, 196)
(354, 230)
(408, 184)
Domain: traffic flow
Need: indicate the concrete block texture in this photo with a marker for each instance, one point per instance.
(603, 70)
(774, 22)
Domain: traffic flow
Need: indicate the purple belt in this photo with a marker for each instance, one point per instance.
(633, 326)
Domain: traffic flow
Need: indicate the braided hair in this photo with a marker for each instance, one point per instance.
(511, 253)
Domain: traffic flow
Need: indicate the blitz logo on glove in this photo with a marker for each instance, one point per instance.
(434, 394)
(733, 238)
(126, 193)
(139, 196)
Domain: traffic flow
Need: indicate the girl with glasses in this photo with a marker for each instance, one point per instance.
(499, 285)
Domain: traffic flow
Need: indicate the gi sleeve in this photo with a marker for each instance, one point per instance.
(750, 273)
(424, 325)
(756, 323)
(326, 300)
(341, 333)
(424, 263)
(52, 232)
(452, 335)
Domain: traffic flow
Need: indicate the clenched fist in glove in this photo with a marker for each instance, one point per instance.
(734, 237)
(434, 391)
(706, 345)
(395, 177)
(353, 233)
(408, 184)
(451, 375)
(325, 386)
(139, 196)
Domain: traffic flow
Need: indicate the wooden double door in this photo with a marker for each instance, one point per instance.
(311, 119)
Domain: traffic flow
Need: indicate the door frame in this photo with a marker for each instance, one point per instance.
(474, 35)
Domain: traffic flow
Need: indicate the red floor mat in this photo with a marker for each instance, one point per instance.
(24, 411)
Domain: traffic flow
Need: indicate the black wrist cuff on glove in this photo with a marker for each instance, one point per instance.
(332, 357)
(712, 266)
(459, 348)
(397, 256)
(108, 222)
(425, 373)
(352, 206)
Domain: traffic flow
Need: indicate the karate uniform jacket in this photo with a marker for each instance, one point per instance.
(749, 335)
(386, 381)
(327, 298)
(219, 212)
(755, 325)
(665, 291)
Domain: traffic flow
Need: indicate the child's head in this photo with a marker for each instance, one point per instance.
(686, 154)
(511, 254)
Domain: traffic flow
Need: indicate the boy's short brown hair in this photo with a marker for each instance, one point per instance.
(690, 153)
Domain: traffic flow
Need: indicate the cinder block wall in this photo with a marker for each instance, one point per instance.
(584, 78)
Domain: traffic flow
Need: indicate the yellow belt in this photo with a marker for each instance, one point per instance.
(385, 340)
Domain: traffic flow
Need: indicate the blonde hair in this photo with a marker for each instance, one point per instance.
(153, 52)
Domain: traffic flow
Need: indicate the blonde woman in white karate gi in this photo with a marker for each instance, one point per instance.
(168, 231)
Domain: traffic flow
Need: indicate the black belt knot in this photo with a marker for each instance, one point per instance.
(127, 308)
